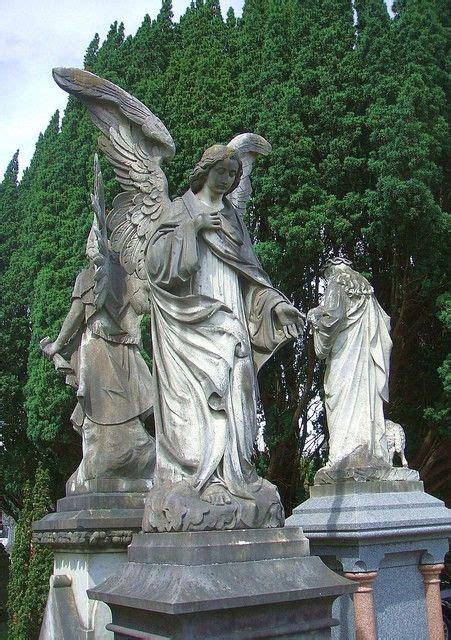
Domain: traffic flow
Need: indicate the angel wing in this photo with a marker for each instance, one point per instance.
(135, 142)
(249, 146)
(97, 246)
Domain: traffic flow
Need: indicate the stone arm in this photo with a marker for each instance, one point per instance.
(272, 320)
(172, 255)
(326, 320)
(70, 326)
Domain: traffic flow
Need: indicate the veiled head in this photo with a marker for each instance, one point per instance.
(339, 270)
(212, 156)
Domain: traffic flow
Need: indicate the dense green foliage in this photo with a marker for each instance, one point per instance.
(31, 565)
(354, 107)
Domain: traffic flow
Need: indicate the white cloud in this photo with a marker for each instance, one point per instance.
(37, 35)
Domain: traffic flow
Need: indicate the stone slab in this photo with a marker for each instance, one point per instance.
(222, 584)
(190, 548)
(357, 511)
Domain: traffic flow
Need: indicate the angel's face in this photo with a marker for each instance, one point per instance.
(222, 175)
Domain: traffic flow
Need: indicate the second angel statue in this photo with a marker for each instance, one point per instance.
(215, 316)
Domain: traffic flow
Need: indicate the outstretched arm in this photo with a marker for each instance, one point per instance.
(71, 324)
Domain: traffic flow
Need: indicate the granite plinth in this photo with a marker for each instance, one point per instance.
(391, 528)
(253, 583)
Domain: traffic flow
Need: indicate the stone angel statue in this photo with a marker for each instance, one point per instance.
(215, 316)
(101, 338)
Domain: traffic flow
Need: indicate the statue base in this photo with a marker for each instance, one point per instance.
(332, 475)
(253, 583)
(89, 534)
(382, 535)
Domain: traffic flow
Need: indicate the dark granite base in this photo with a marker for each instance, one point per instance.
(241, 584)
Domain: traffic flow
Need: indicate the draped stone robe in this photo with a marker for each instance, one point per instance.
(352, 334)
(213, 327)
(113, 384)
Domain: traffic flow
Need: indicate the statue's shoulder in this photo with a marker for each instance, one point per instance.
(83, 282)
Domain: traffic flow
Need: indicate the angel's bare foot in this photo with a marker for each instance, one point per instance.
(216, 494)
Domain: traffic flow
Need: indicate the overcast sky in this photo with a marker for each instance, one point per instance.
(37, 35)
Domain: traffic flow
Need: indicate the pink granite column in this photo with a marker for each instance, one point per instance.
(431, 577)
(364, 614)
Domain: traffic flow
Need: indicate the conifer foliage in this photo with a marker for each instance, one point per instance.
(31, 565)
(354, 107)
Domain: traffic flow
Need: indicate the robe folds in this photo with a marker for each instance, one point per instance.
(114, 387)
(213, 328)
(352, 335)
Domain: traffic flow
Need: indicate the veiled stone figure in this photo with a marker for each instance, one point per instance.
(352, 334)
(215, 316)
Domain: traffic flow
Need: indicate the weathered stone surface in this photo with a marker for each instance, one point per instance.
(352, 335)
(356, 512)
(98, 351)
(69, 614)
(92, 520)
(216, 317)
(89, 534)
(241, 584)
(363, 470)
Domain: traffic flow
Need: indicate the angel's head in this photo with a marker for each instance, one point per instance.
(221, 166)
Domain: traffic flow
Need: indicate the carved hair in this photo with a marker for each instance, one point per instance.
(210, 157)
(353, 282)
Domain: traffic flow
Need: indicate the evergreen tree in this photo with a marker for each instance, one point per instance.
(12, 438)
(407, 227)
(31, 565)
(20, 557)
(201, 97)
(8, 212)
(17, 456)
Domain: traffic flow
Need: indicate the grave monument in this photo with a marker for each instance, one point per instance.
(365, 517)
(213, 560)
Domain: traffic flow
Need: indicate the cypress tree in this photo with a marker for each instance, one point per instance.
(31, 566)
(8, 212)
(201, 96)
(409, 203)
(20, 557)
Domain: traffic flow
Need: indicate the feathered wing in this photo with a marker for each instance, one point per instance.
(135, 142)
(97, 246)
(249, 146)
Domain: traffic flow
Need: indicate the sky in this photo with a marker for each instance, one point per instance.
(37, 35)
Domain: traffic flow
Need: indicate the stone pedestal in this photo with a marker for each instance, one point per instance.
(241, 584)
(383, 535)
(89, 534)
